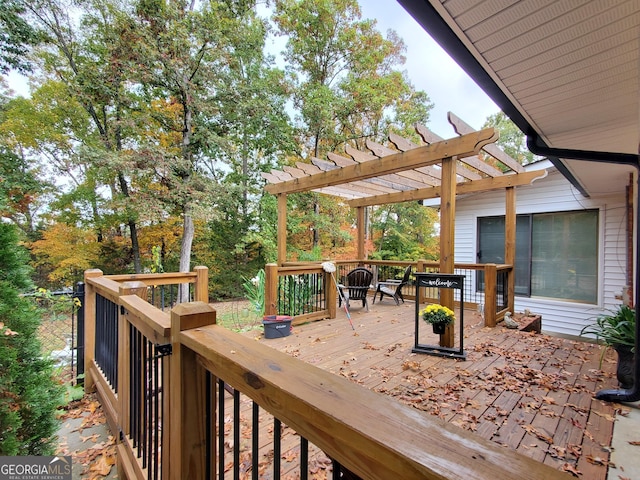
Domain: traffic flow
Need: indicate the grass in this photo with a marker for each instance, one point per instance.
(237, 315)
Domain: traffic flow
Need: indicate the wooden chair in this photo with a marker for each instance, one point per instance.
(393, 288)
(356, 286)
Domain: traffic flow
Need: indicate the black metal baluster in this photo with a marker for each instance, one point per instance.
(145, 405)
(156, 423)
(304, 458)
(277, 447)
(336, 470)
(207, 421)
(255, 440)
(133, 396)
(236, 434)
(220, 429)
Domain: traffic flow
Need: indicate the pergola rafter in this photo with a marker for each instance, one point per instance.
(410, 172)
(407, 172)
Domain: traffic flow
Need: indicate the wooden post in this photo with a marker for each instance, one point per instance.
(89, 327)
(282, 228)
(331, 295)
(510, 245)
(124, 348)
(490, 290)
(202, 284)
(271, 289)
(447, 239)
(420, 268)
(361, 232)
(187, 397)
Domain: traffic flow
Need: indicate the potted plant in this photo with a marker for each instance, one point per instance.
(617, 330)
(438, 316)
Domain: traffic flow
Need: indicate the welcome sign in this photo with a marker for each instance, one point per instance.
(440, 280)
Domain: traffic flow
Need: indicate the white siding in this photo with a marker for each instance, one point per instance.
(554, 194)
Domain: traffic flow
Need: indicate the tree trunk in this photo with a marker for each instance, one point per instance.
(185, 250)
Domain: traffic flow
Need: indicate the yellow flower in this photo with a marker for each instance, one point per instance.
(435, 313)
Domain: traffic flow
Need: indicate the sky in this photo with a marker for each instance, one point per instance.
(431, 69)
(428, 67)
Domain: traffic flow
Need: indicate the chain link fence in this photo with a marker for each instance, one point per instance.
(61, 331)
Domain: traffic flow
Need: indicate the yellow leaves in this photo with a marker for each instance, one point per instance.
(68, 250)
(102, 466)
(408, 365)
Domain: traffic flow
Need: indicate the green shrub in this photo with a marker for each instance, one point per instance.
(29, 395)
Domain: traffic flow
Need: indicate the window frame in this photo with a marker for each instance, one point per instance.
(525, 290)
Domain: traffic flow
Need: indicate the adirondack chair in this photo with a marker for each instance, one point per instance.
(393, 288)
(357, 284)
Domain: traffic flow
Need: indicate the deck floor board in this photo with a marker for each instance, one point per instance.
(532, 393)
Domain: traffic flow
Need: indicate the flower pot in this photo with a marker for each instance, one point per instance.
(625, 368)
(439, 328)
(276, 326)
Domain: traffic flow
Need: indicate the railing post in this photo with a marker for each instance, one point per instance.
(79, 307)
(420, 267)
(89, 326)
(511, 290)
(490, 291)
(124, 359)
(187, 397)
(331, 295)
(271, 289)
(202, 284)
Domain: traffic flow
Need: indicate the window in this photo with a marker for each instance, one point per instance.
(556, 253)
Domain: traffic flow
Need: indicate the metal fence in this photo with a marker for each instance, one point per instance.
(61, 331)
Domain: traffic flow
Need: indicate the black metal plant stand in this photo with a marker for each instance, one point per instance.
(440, 280)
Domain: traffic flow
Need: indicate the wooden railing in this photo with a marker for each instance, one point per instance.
(306, 292)
(174, 371)
(127, 344)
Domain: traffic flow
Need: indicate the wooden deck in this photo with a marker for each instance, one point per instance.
(531, 393)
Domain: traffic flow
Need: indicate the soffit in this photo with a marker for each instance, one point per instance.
(571, 68)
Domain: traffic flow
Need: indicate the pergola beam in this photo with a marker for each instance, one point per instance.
(473, 186)
(463, 146)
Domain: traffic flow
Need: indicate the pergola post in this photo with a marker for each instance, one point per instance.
(361, 232)
(282, 228)
(447, 239)
(510, 245)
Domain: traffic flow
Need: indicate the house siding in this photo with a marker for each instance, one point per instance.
(555, 194)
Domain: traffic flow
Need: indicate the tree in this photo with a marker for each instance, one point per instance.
(345, 76)
(405, 231)
(20, 192)
(85, 55)
(512, 140)
(28, 394)
(346, 83)
(16, 37)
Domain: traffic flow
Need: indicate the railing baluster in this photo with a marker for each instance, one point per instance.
(208, 401)
(277, 445)
(236, 435)
(255, 439)
(336, 470)
(156, 420)
(220, 428)
(304, 458)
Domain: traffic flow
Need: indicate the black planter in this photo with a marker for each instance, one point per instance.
(625, 368)
(439, 328)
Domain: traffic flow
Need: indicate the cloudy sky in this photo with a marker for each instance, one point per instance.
(432, 70)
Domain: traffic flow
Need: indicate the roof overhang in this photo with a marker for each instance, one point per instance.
(567, 73)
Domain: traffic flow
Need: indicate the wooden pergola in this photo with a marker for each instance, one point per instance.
(405, 171)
